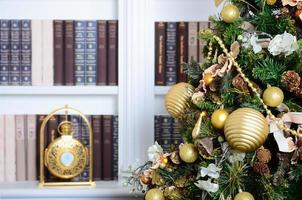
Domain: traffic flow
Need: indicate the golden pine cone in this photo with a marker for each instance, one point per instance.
(261, 168)
(263, 155)
(291, 80)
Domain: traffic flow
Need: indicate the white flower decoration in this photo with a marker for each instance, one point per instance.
(251, 41)
(212, 171)
(284, 43)
(236, 156)
(154, 152)
(207, 185)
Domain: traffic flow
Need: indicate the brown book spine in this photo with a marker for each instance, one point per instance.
(112, 52)
(52, 134)
(69, 52)
(40, 119)
(202, 43)
(102, 53)
(97, 146)
(58, 52)
(160, 39)
(107, 148)
(182, 50)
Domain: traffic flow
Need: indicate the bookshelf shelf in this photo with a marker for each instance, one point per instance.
(161, 90)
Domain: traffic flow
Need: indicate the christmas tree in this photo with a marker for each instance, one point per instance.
(241, 111)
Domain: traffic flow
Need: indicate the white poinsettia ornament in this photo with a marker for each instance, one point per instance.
(284, 43)
(212, 171)
(207, 185)
(155, 152)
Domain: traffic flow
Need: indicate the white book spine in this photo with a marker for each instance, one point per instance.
(47, 52)
(202, 43)
(31, 148)
(20, 148)
(10, 150)
(192, 43)
(2, 127)
(36, 52)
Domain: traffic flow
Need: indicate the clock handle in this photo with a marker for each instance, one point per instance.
(45, 157)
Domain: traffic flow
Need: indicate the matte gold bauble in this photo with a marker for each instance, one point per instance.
(230, 13)
(244, 196)
(271, 2)
(188, 153)
(273, 96)
(207, 79)
(219, 117)
(246, 129)
(177, 100)
(154, 194)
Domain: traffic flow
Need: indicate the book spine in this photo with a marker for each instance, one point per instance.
(202, 43)
(182, 50)
(160, 49)
(107, 148)
(79, 56)
(112, 52)
(171, 53)
(176, 135)
(69, 52)
(52, 134)
(20, 148)
(157, 128)
(26, 51)
(15, 53)
(91, 53)
(48, 52)
(2, 148)
(36, 38)
(97, 153)
(10, 150)
(192, 41)
(58, 52)
(102, 53)
(166, 133)
(85, 141)
(115, 147)
(77, 132)
(31, 148)
(4, 52)
(40, 119)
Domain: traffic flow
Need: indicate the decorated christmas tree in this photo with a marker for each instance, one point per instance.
(241, 111)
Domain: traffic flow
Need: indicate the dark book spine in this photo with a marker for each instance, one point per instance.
(113, 52)
(171, 53)
(91, 53)
(102, 53)
(182, 50)
(79, 56)
(77, 132)
(26, 78)
(97, 148)
(157, 128)
(58, 52)
(85, 141)
(107, 148)
(176, 135)
(166, 133)
(40, 119)
(160, 49)
(115, 147)
(69, 52)
(15, 35)
(5, 52)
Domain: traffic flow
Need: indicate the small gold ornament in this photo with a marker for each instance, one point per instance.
(246, 129)
(207, 79)
(145, 179)
(230, 13)
(271, 2)
(244, 196)
(188, 153)
(154, 194)
(177, 100)
(175, 157)
(163, 161)
(273, 96)
(196, 130)
(219, 117)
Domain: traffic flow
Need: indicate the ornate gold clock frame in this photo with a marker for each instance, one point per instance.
(67, 131)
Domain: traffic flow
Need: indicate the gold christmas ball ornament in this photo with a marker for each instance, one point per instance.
(154, 194)
(230, 13)
(244, 196)
(271, 2)
(219, 117)
(207, 79)
(188, 153)
(273, 96)
(177, 100)
(246, 129)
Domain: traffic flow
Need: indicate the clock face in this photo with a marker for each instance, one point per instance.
(67, 158)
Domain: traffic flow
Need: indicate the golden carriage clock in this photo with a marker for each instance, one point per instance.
(65, 157)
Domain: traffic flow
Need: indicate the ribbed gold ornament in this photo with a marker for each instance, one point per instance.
(246, 129)
(177, 100)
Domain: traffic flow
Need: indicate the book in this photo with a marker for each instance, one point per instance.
(39, 121)
(171, 53)
(36, 38)
(115, 144)
(97, 147)
(26, 53)
(91, 53)
(160, 49)
(166, 133)
(48, 52)
(10, 148)
(107, 172)
(79, 52)
(2, 143)
(157, 128)
(102, 53)
(15, 53)
(20, 148)
(85, 140)
(202, 43)
(176, 135)
(4, 52)
(112, 52)
(192, 41)
(69, 52)
(58, 52)
(76, 121)
(182, 48)
(32, 150)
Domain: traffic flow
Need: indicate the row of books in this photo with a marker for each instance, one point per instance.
(19, 145)
(167, 132)
(176, 43)
(59, 52)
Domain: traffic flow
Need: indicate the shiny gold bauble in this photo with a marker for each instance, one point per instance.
(271, 2)
(246, 129)
(188, 153)
(145, 179)
(154, 194)
(230, 13)
(207, 79)
(273, 96)
(244, 196)
(219, 117)
(177, 100)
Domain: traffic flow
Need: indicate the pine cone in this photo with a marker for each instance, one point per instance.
(291, 81)
(261, 168)
(241, 85)
(263, 155)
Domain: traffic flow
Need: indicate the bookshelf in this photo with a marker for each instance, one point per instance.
(136, 100)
